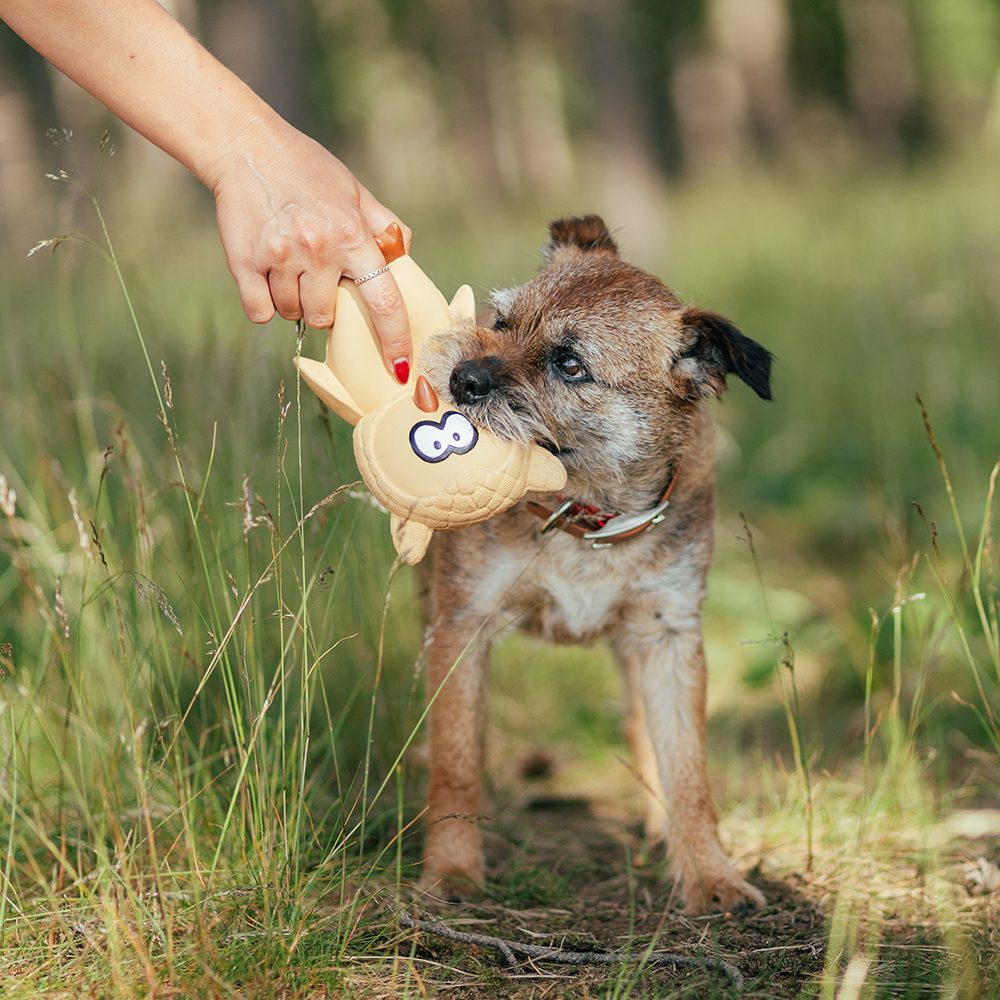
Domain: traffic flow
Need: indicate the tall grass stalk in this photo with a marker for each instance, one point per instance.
(791, 705)
(983, 591)
(151, 834)
(165, 404)
(10, 768)
(873, 636)
(196, 776)
(366, 774)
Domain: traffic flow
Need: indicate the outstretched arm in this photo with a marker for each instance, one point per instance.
(292, 217)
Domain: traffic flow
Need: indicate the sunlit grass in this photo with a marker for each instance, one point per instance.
(168, 745)
(207, 691)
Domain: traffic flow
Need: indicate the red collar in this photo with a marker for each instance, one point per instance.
(599, 527)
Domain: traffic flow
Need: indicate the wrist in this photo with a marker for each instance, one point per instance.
(251, 136)
(230, 132)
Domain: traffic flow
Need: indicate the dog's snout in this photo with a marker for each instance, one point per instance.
(472, 381)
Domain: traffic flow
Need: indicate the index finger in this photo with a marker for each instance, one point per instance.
(380, 293)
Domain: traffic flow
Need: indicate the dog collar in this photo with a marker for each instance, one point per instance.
(601, 528)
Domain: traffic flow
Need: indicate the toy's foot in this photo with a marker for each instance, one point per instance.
(411, 538)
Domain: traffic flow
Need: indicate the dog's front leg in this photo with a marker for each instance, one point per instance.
(456, 677)
(670, 667)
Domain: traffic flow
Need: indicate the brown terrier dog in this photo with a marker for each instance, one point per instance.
(599, 362)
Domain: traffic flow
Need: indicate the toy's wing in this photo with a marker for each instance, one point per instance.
(545, 472)
(353, 349)
(463, 304)
(354, 353)
(327, 386)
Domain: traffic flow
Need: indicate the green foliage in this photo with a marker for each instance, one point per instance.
(185, 720)
(522, 889)
(208, 661)
(819, 50)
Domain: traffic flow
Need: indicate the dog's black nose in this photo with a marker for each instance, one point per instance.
(472, 381)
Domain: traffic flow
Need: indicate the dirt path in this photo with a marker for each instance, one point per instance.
(561, 877)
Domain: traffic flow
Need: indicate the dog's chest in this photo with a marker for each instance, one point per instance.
(574, 610)
(571, 595)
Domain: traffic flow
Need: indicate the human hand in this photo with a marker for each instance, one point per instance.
(293, 219)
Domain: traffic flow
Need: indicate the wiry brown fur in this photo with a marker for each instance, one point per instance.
(631, 412)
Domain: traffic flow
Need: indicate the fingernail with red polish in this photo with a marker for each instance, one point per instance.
(402, 369)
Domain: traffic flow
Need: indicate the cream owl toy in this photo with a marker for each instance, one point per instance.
(427, 463)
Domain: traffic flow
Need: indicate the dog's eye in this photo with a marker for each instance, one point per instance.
(571, 368)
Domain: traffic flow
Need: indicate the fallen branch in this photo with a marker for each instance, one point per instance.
(507, 949)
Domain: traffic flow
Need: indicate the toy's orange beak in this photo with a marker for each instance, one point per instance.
(424, 396)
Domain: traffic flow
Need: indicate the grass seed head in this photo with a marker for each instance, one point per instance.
(8, 498)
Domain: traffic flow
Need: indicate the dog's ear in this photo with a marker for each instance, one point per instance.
(716, 349)
(588, 233)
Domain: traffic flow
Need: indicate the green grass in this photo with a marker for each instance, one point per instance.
(209, 701)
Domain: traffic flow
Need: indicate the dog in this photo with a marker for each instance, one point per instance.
(599, 362)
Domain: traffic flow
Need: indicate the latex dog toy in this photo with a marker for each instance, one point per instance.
(427, 464)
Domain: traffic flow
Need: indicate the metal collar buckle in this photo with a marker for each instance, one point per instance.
(626, 523)
(552, 521)
(620, 528)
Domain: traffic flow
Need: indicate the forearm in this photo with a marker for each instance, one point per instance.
(146, 68)
(292, 217)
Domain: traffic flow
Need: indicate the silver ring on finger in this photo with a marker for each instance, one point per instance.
(373, 274)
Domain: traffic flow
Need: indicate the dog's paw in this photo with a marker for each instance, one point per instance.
(727, 894)
(452, 888)
(453, 867)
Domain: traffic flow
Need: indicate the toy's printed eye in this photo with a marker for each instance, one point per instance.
(434, 441)
(571, 368)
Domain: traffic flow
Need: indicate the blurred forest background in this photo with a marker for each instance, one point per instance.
(440, 103)
(824, 172)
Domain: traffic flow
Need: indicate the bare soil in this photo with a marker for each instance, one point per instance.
(563, 877)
